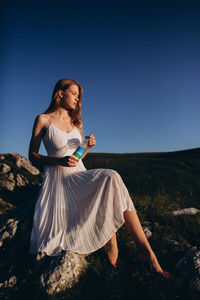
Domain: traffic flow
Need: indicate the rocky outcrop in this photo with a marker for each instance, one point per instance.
(19, 187)
(188, 268)
(19, 161)
(16, 171)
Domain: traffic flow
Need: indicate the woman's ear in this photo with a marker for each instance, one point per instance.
(60, 93)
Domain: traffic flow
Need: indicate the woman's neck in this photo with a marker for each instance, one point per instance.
(61, 114)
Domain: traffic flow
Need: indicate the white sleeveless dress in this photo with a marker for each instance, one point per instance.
(77, 209)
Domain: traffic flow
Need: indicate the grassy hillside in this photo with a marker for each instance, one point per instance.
(158, 183)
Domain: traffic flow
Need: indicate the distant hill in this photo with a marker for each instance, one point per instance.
(175, 173)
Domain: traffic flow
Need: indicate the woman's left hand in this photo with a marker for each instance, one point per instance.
(91, 142)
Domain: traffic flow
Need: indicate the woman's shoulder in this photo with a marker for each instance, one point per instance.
(42, 120)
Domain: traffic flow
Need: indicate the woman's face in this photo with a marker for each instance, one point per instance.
(70, 97)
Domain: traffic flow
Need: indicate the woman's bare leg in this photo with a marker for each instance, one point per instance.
(112, 250)
(134, 227)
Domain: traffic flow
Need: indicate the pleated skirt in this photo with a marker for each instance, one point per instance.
(78, 210)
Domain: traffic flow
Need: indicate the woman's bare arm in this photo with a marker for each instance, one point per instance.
(40, 160)
(37, 133)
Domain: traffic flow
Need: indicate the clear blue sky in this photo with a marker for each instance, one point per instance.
(138, 63)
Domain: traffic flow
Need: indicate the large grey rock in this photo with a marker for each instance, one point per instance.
(51, 273)
(21, 161)
(16, 171)
(188, 268)
(61, 272)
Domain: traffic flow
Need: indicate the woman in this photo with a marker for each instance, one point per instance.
(78, 209)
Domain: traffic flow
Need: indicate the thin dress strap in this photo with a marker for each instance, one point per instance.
(49, 119)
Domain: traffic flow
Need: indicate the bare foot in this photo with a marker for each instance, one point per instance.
(112, 253)
(114, 259)
(144, 255)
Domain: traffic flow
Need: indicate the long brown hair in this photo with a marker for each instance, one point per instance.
(75, 115)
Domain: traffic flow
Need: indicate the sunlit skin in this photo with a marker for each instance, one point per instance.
(61, 119)
(69, 97)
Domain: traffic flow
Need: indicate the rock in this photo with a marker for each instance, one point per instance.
(4, 168)
(188, 268)
(13, 176)
(147, 228)
(23, 162)
(8, 230)
(62, 272)
(10, 283)
(21, 180)
(8, 184)
(185, 211)
(4, 206)
(147, 232)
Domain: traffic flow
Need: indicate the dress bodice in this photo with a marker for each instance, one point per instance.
(59, 143)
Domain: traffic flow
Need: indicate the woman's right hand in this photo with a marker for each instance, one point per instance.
(68, 161)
